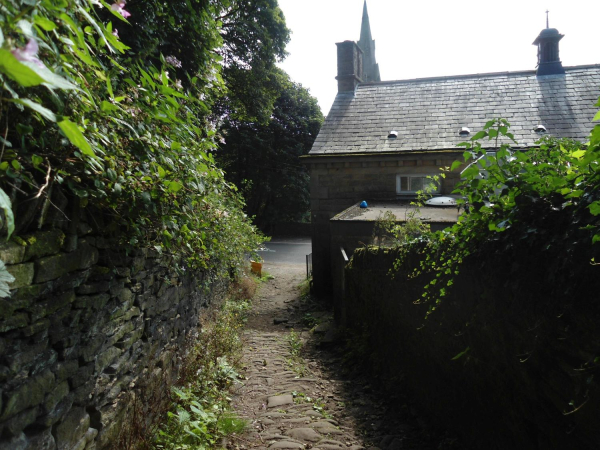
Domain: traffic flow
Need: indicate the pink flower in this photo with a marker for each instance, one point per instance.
(29, 53)
(118, 7)
(173, 61)
(115, 33)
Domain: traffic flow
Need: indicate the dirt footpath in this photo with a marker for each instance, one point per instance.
(298, 393)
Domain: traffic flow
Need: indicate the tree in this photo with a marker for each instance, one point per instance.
(251, 38)
(254, 39)
(263, 158)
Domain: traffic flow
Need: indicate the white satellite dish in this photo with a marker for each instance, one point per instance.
(441, 201)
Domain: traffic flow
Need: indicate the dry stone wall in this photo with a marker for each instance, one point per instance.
(86, 328)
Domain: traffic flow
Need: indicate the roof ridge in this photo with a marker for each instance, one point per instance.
(473, 75)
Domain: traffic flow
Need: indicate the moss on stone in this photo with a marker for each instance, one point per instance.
(19, 241)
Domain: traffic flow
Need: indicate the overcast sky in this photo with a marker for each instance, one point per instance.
(434, 38)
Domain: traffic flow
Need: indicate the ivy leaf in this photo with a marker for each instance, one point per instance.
(175, 186)
(479, 135)
(36, 160)
(108, 107)
(45, 112)
(499, 228)
(596, 117)
(22, 74)
(470, 172)
(455, 165)
(8, 214)
(595, 208)
(76, 137)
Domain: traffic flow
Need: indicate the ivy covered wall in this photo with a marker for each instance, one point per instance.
(510, 357)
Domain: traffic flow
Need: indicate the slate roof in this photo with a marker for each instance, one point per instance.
(428, 113)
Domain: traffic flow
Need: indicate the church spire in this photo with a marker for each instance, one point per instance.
(367, 45)
(365, 29)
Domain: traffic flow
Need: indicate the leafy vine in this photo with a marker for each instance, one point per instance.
(508, 196)
(119, 134)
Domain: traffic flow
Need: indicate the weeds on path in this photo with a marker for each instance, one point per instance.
(201, 414)
(295, 362)
(199, 411)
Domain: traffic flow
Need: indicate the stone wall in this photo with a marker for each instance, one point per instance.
(338, 182)
(526, 324)
(86, 328)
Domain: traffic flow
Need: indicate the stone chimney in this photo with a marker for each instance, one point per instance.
(548, 59)
(349, 66)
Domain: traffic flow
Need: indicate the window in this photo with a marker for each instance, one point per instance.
(410, 184)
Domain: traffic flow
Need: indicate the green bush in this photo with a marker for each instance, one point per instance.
(118, 134)
(547, 196)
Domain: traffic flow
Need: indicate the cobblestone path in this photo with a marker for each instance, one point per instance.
(308, 401)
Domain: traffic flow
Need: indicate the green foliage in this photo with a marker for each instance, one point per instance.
(388, 232)
(309, 321)
(295, 362)
(198, 421)
(262, 158)
(254, 39)
(295, 343)
(201, 414)
(115, 129)
(318, 404)
(266, 276)
(545, 196)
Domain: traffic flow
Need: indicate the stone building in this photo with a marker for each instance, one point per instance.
(382, 139)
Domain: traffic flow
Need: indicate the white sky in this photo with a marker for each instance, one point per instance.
(427, 38)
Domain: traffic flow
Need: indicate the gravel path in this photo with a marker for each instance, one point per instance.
(311, 400)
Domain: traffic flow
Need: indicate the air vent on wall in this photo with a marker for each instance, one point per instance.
(464, 131)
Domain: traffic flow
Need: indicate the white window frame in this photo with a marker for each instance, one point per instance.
(422, 176)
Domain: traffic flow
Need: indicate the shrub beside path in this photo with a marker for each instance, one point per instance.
(296, 395)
